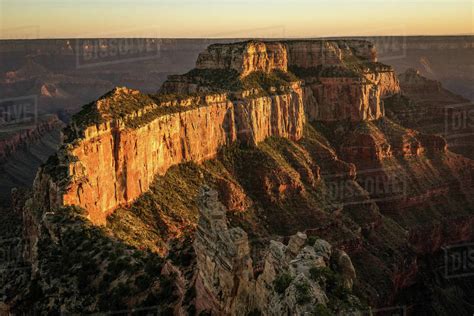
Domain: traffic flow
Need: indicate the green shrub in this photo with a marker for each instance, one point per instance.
(332, 281)
(306, 71)
(229, 80)
(167, 289)
(338, 71)
(218, 79)
(153, 266)
(337, 289)
(303, 293)
(190, 295)
(182, 259)
(322, 310)
(322, 274)
(262, 80)
(115, 300)
(143, 282)
(118, 266)
(311, 240)
(282, 282)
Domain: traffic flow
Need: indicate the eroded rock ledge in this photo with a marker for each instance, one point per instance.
(295, 278)
(113, 160)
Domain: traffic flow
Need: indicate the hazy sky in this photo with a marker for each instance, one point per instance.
(232, 18)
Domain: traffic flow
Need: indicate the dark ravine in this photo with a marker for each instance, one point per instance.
(322, 122)
(22, 151)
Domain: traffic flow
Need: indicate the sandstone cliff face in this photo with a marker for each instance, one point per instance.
(343, 79)
(113, 164)
(335, 99)
(386, 80)
(310, 54)
(347, 98)
(244, 58)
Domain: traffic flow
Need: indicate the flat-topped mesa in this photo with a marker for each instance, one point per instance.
(115, 147)
(267, 56)
(245, 58)
(251, 67)
(313, 53)
(343, 78)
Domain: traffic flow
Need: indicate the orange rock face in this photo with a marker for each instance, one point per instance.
(110, 163)
(310, 54)
(342, 98)
(114, 164)
(245, 57)
(386, 81)
(334, 91)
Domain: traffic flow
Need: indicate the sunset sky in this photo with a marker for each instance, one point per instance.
(232, 18)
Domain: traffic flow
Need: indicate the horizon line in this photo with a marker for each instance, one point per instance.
(238, 38)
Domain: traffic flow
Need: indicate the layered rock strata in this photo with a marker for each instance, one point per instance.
(117, 145)
(343, 79)
(111, 163)
(245, 58)
(428, 107)
(23, 137)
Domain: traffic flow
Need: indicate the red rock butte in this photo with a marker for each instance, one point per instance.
(246, 92)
